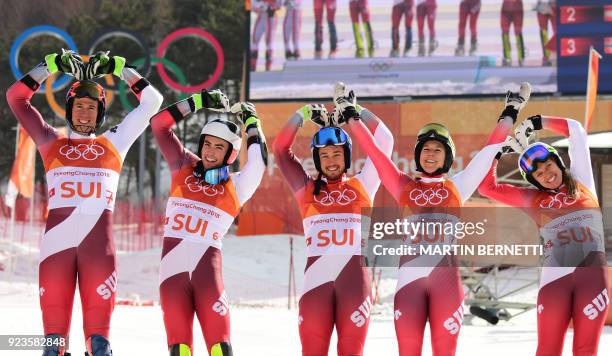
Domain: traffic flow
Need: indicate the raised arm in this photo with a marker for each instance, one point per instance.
(384, 140)
(392, 178)
(579, 152)
(508, 194)
(248, 179)
(288, 163)
(468, 180)
(161, 123)
(134, 124)
(18, 97)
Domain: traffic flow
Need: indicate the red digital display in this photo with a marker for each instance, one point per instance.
(608, 45)
(579, 14)
(576, 46)
(608, 13)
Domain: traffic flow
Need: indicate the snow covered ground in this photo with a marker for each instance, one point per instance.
(256, 274)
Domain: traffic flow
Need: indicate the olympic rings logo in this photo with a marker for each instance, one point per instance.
(429, 196)
(195, 185)
(382, 66)
(557, 201)
(84, 151)
(143, 64)
(344, 197)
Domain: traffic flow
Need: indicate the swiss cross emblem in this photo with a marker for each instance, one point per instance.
(51, 192)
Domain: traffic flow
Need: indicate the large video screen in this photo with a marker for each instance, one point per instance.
(391, 48)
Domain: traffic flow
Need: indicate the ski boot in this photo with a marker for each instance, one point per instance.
(433, 45)
(55, 349)
(296, 54)
(473, 47)
(332, 53)
(98, 346)
(408, 42)
(268, 60)
(421, 48)
(318, 54)
(506, 62)
(394, 53)
(359, 53)
(221, 349)
(179, 350)
(288, 55)
(253, 58)
(460, 50)
(369, 39)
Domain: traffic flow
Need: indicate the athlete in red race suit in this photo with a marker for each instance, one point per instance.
(336, 290)
(82, 172)
(204, 201)
(357, 9)
(471, 9)
(512, 14)
(564, 205)
(265, 23)
(401, 8)
(330, 8)
(426, 11)
(547, 10)
(429, 287)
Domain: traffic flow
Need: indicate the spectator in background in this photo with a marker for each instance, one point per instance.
(265, 23)
(426, 9)
(330, 5)
(292, 27)
(359, 8)
(401, 8)
(546, 10)
(512, 14)
(471, 9)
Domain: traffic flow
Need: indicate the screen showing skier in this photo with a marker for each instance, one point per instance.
(394, 48)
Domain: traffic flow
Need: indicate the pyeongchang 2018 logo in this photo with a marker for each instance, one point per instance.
(82, 151)
(557, 201)
(196, 185)
(344, 197)
(428, 196)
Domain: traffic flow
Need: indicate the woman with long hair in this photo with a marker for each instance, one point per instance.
(563, 203)
(429, 287)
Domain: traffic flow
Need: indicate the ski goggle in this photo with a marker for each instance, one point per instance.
(217, 175)
(530, 158)
(330, 136)
(86, 90)
(433, 131)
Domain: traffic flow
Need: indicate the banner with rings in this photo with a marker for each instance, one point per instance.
(144, 64)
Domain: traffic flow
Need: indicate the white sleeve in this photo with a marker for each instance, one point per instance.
(133, 125)
(580, 155)
(369, 175)
(247, 180)
(468, 180)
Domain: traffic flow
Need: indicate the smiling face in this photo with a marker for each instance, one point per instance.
(548, 174)
(213, 151)
(332, 161)
(432, 156)
(84, 115)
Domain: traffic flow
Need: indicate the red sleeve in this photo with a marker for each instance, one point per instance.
(508, 194)
(289, 164)
(556, 124)
(169, 145)
(500, 132)
(18, 97)
(392, 178)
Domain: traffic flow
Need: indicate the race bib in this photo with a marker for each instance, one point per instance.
(71, 186)
(196, 221)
